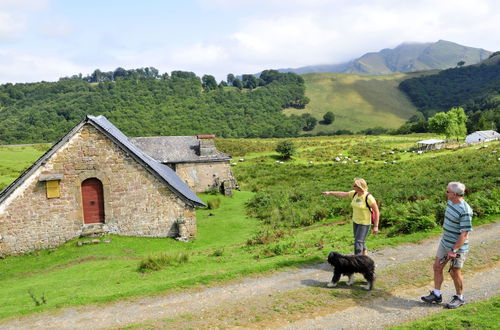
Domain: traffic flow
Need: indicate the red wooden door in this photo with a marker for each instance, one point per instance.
(92, 201)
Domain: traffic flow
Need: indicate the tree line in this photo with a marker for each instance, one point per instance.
(143, 102)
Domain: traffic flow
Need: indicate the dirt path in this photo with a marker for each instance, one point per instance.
(213, 307)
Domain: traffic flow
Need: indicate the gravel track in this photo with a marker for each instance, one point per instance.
(400, 307)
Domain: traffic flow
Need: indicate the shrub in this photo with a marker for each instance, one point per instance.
(162, 260)
(217, 253)
(38, 302)
(286, 149)
(213, 204)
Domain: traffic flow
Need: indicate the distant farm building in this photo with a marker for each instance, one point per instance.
(482, 136)
(195, 159)
(431, 144)
(93, 181)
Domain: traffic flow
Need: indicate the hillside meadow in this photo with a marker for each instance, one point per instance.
(358, 101)
(279, 219)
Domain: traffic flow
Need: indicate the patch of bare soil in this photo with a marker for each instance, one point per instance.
(297, 299)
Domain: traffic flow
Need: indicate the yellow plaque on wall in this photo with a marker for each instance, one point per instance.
(53, 189)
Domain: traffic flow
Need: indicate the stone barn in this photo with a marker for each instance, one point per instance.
(195, 159)
(94, 181)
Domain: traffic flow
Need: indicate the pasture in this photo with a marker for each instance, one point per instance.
(279, 219)
(358, 101)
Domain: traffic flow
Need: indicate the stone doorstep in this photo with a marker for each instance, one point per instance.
(94, 230)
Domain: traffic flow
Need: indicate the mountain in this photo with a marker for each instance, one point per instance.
(407, 57)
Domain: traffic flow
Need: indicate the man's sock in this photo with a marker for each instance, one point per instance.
(461, 296)
(437, 292)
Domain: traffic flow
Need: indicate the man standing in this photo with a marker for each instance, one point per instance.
(453, 245)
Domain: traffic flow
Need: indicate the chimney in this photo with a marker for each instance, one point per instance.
(207, 145)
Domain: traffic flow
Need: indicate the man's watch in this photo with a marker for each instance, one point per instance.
(454, 250)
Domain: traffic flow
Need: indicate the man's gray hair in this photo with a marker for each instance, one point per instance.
(457, 188)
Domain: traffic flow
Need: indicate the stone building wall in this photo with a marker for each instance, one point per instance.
(201, 177)
(136, 203)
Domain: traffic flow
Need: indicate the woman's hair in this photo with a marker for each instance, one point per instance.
(457, 188)
(361, 183)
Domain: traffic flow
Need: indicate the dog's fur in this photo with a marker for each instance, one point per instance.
(350, 264)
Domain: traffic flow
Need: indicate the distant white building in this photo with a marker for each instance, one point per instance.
(482, 136)
(431, 144)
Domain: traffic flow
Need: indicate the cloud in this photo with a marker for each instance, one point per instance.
(19, 67)
(304, 32)
(14, 16)
(11, 26)
(229, 36)
(56, 28)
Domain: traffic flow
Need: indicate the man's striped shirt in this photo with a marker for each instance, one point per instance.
(457, 219)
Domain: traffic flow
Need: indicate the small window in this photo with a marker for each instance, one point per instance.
(53, 189)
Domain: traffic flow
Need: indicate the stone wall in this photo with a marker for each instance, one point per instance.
(201, 177)
(136, 203)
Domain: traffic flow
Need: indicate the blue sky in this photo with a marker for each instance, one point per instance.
(49, 39)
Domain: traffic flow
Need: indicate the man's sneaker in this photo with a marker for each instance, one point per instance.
(432, 298)
(455, 302)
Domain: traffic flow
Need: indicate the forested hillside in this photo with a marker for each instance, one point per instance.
(476, 88)
(142, 102)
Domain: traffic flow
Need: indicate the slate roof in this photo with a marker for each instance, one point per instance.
(162, 172)
(177, 149)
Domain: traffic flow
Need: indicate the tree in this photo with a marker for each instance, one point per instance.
(249, 81)
(458, 119)
(208, 82)
(286, 149)
(309, 122)
(439, 122)
(452, 123)
(237, 83)
(230, 79)
(328, 118)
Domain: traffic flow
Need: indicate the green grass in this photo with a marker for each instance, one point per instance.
(479, 315)
(98, 273)
(14, 160)
(358, 101)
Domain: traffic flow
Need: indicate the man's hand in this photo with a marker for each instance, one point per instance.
(451, 255)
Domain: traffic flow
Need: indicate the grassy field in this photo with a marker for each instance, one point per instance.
(14, 160)
(358, 101)
(230, 243)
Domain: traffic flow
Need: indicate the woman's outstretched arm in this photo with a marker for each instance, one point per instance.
(336, 193)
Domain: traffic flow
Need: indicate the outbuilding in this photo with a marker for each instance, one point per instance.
(195, 159)
(482, 136)
(94, 181)
(431, 144)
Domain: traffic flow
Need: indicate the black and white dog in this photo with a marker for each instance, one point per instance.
(350, 264)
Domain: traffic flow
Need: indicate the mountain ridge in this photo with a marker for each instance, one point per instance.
(404, 58)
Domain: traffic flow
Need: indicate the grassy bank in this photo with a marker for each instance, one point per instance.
(480, 315)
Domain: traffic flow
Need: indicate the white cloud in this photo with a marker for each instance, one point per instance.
(236, 36)
(19, 67)
(303, 32)
(14, 16)
(56, 28)
(11, 26)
